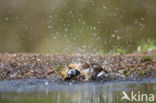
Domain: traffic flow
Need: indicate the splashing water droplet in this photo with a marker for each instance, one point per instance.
(6, 18)
(104, 7)
(118, 37)
(49, 27)
(113, 35)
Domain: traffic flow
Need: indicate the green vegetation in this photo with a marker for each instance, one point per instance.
(120, 51)
(117, 51)
(146, 58)
(141, 73)
(59, 66)
(126, 72)
(149, 70)
(146, 46)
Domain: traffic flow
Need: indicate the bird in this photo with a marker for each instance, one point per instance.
(64, 72)
(86, 74)
(71, 71)
(81, 71)
(77, 66)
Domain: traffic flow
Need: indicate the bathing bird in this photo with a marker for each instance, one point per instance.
(71, 71)
(77, 71)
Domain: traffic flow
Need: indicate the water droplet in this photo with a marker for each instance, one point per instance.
(6, 18)
(94, 28)
(142, 19)
(104, 7)
(115, 31)
(136, 21)
(94, 34)
(70, 12)
(66, 29)
(113, 35)
(54, 37)
(139, 48)
(57, 33)
(99, 22)
(84, 46)
(65, 35)
(49, 27)
(118, 37)
(16, 17)
(92, 4)
(74, 38)
(53, 7)
(83, 22)
(46, 83)
(50, 16)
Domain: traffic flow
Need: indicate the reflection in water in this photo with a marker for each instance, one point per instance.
(35, 91)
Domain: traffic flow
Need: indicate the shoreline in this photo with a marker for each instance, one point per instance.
(48, 66)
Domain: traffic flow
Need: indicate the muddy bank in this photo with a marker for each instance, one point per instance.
(25, 66)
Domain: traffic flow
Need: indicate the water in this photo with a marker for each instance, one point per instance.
(46, 91)
(77, 26)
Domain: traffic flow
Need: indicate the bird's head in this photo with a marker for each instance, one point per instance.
(73, 66)
(70, 71)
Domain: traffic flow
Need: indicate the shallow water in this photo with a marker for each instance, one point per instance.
(46, 91)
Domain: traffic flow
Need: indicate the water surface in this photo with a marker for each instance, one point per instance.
(38, 91)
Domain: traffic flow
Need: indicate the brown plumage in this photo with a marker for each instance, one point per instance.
(64, 72)
(71, 71)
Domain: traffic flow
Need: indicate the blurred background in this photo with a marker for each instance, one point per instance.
(77, 26)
